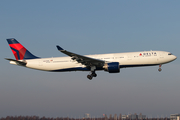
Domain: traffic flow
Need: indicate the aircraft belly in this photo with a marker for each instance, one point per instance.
(58, 66)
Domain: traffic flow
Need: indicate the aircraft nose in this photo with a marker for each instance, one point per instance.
(174, 57)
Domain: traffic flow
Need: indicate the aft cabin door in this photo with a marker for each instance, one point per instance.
(40, 63)
(161, 55)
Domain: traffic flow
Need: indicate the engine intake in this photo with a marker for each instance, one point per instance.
(112, 67)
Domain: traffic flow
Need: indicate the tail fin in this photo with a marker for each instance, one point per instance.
(19, 51)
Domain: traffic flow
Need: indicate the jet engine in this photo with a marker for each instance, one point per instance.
(112, 67)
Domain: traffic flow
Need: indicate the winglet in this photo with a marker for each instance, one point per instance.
(59, 48)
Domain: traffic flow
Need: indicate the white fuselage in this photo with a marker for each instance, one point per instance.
(130, 59)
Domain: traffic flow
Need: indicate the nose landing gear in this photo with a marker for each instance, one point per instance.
(160, 68)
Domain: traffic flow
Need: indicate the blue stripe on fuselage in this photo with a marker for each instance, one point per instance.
(88, 69)
(75, 69)
(71, 69)
(125, 66)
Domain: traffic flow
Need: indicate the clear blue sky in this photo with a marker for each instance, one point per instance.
(90, 27)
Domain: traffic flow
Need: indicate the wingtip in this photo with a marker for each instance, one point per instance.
(9, 59)
(59, 48)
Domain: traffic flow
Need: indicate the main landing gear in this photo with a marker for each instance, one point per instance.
(160, 68)
(92, 73)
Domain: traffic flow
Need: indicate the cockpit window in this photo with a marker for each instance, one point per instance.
(169, 53)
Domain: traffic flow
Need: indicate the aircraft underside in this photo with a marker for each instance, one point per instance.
(93, 72)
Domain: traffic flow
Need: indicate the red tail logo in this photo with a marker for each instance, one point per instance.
(19, 51)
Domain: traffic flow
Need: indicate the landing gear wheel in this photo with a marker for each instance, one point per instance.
(94, 74)
(159, 69)
(89, 77)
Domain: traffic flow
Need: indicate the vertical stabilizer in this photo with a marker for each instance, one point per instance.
(19, 51)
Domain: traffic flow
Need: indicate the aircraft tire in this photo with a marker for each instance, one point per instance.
(159, 69)
(94, 75)
(89, 77)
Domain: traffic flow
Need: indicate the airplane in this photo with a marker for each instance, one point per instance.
(111, 63)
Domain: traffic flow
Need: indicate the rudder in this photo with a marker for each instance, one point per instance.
(19, 51)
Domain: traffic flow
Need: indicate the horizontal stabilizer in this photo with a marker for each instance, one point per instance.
(22, 63)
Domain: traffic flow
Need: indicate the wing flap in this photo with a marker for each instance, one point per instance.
(87, 61)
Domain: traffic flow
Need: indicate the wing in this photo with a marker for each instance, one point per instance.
(87, 61)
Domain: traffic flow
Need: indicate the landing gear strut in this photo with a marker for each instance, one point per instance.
(92, 73)
(160, 68)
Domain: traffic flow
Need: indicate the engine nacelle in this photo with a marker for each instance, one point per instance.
(112, 67)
